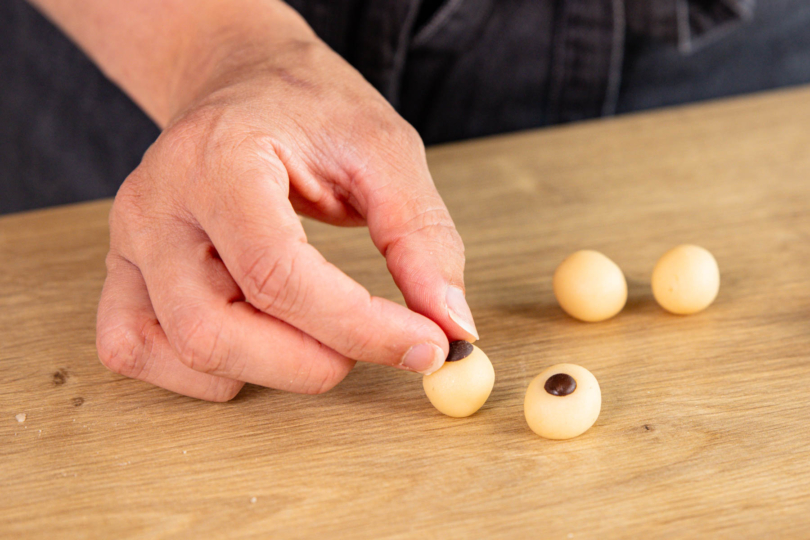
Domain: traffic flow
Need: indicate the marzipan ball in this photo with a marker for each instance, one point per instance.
(589, 286)
(686, 280)
(463, 384)
(562, 402)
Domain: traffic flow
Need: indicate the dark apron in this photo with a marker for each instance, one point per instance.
(453, 68)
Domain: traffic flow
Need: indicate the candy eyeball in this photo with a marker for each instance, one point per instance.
(463, 384)
(589, 286)
(686, 280)
(562, 402)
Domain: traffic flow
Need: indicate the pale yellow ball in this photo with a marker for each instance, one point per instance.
(461, 387)
(589, 286)
(686, 280)
(556, 408)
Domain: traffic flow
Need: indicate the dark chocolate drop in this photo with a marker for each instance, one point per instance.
(560, 384)
(459, 350)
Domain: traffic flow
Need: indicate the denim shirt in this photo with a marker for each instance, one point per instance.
(461, 68)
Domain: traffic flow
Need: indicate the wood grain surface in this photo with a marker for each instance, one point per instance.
(704, 428)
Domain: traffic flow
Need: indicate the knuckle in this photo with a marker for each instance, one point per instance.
(221, 390)
(432, 226)
(112, 261)
(271, 283)
(408, 271)
(181, 142)
(141, 207)
(378, 126)
(215, 143)
(124, 350)
(193, 150)
(319, 377)
(360, 346)
(396, 135)
(200, 345)
(410, 139)
(427, 236)
(129, 200)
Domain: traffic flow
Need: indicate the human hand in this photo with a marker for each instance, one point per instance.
(211, 282)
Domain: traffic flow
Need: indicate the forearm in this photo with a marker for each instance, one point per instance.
(163, 52)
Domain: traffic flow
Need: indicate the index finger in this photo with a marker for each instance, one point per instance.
(411, 226)
(262, 243)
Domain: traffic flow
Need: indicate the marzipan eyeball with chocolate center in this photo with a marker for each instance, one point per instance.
(562, 402)
(463, 384)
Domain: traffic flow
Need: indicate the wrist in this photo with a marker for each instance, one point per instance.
(222, 52)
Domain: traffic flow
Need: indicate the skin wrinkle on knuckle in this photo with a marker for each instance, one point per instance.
(180, 143)
(371, 187)
(270, 169)
(358, 345)
(193, 149)
(316, 379)
(177, 160)
(199, 344)
(291, 293)
(412, 272)
(125, 351)
(268, 279)
(335, 160)
(364, 132)
(441, 230)
(269, 152)
(233, 162)
(401, 145)
(436, 215)
(378, 137)
(303, 380)
(358, 349)
(327, 380)
(221, 390)
(140, 214)
(112, 354)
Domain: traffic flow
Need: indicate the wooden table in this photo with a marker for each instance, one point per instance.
(704, 429)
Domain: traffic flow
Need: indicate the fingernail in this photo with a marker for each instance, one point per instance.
(424, 358)
(459, 311)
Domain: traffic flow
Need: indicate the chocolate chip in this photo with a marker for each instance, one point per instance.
(459, 350)
(560, 384)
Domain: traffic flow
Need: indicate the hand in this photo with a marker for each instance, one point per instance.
(211, 282)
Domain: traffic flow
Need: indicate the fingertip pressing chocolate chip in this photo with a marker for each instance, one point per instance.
(463, 384)
(561, 384)
(459, 350)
